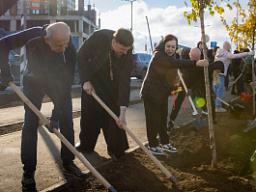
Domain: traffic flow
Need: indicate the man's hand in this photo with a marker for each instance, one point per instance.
(53, 125)
(202, 63)
(88, 88)
(121, 120)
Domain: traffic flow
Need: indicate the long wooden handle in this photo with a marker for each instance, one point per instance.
(186, 90)
(61, 137)
(235, 81)
(224, 102)
(113, 115)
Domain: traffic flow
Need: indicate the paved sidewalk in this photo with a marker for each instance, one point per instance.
(48, 174)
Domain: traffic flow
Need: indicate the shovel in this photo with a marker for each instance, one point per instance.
(61, 137)
(235, 81)
(113, 115)
(199, 123)
(236, 110)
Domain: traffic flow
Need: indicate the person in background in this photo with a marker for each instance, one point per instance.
(211, 54)
(223, 54)
(236, 69)
(200, 46)
(194, 80)
(247, 72)
(105, 66)
(51, 60)
(156, 88)
(228, 75)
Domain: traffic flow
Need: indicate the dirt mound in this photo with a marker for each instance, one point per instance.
(234, 171)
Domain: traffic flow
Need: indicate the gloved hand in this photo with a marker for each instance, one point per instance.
(53, 125)
(251, 53)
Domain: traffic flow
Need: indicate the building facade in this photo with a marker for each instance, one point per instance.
(40, 12)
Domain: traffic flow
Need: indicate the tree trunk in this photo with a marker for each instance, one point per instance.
(208, 92)
(253, 75)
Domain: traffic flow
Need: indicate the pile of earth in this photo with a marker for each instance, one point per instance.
(191, 166)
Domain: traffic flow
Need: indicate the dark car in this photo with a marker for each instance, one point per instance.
(140, 64)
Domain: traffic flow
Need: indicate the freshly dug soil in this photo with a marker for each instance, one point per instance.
(191, 166)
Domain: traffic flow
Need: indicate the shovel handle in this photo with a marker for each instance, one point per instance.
(186, 90)
(113, 115)
(60, 136)
(235, 81)
(224, 102)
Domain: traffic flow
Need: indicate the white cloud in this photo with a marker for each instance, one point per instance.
(169, 20)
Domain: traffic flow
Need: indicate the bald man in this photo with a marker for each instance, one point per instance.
(51, 60)
(194, 79)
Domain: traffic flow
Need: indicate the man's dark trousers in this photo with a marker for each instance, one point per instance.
(35, 93)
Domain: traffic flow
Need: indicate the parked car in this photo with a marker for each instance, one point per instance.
(140, 64)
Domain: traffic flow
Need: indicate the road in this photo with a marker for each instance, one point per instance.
(48, 175)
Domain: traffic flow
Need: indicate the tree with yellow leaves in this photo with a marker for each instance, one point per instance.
(198, 7)
(244, 33)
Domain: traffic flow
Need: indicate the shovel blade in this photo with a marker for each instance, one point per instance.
(200, 123)
(239, 107)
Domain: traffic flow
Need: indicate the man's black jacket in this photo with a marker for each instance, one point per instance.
(93, 56)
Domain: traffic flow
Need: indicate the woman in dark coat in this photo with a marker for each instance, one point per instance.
(156, 88)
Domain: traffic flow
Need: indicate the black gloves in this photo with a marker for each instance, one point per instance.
(53, 124)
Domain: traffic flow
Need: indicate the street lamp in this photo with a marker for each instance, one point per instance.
(131, 1)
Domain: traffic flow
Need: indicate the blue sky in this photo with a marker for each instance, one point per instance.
(165, 17)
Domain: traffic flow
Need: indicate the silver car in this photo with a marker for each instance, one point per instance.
(140, 64)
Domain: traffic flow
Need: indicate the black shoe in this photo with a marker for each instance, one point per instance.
(79, 147)
(74, 171)
(170, 126)
(115, 157)
(28, 181)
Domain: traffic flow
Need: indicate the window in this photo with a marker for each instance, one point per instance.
(35, 5)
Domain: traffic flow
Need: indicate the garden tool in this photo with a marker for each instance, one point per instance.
(235, 81)
(199, 123)
(61, 137)
(113, 115)
(235, 110)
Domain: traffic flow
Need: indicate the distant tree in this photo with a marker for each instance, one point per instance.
(198, 7)
(244, 33)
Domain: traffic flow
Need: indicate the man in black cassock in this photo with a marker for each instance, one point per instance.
(105, 65)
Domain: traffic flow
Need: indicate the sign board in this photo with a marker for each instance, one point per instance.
(207, 38)
(213, 44)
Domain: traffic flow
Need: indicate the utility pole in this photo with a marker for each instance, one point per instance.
(149, 35)
(23, 49)
(131, 1)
